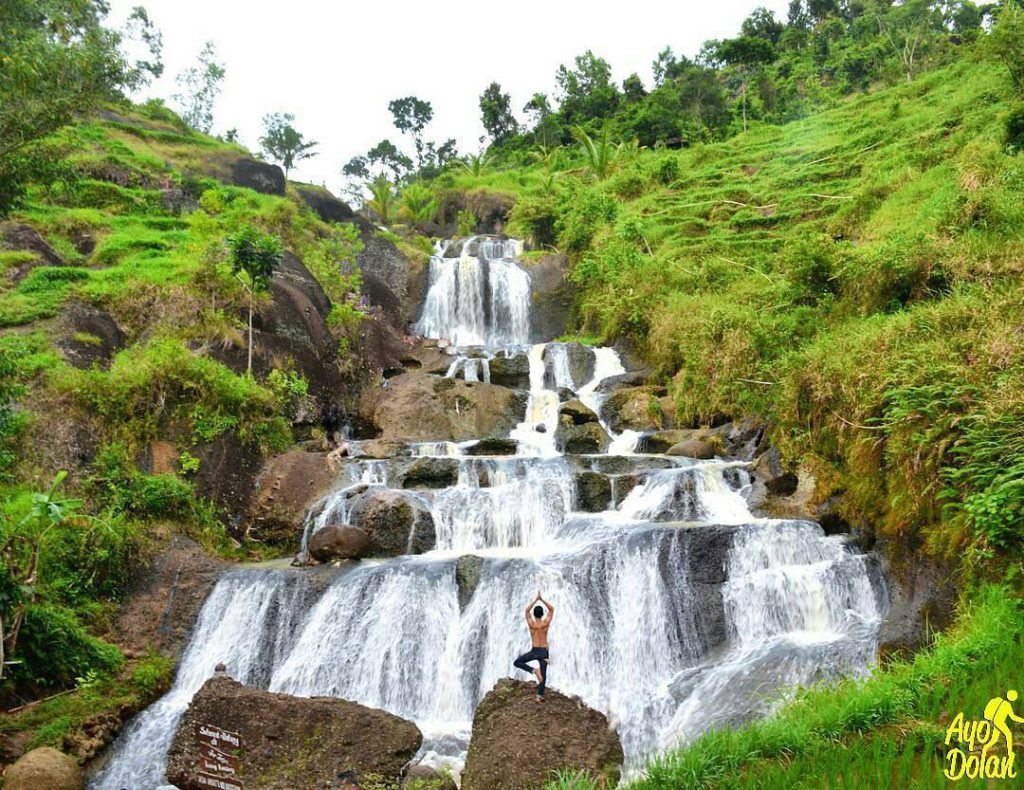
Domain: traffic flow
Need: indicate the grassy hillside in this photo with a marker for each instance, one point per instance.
(853, 276)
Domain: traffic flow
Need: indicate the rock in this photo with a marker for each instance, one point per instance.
(593, 492)
(551, 297)
(260, 176)
(493, 446)
(338, 542)
(423, 777)
(164, 595)
(293, 741)
(429, 472)
(742, 438)
(408, 279)
(44, 769)
(511, 371)
(636, 378)
(467, 577)
(18, 237)
(325, 205)
(579, 360)
(285, 490)
(693, 448)
(918, 595)
(395, 523)
(419, 407)
(88, 336)
(490, 209)
(580, 439)
(577, 411)
(381, 448)
(228, 468)
(637, 409)
(505, 752)
(663, 441)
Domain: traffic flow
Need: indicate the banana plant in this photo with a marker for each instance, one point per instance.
(598, 151)
(417, 204)
(383, 201)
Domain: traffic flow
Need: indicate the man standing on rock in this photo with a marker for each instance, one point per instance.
(538, 624)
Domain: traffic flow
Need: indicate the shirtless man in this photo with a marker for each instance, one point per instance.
(538, 624)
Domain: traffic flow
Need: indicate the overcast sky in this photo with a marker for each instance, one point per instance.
(336, 65)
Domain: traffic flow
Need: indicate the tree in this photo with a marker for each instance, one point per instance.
(906, 28)
(139, 30)
(20, 567)
(388, 155)
(1005, 43)
(496, 114)
(762, 24)
(411, 116)
(539, 108)
(633, 89)
(383, 198)
(57, 61)
(417, 203)
(587, 92)
(283, 143)
(257, 256)
(748, 55)
(200, 86)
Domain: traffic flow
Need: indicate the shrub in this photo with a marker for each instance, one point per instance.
(585, 211)
(56, 649)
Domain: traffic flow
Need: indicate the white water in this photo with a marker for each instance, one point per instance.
(633, 632)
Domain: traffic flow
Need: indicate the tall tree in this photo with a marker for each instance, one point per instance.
(907, 28)
(496, 114)
(199, 87)
(411, 116)
(762, 24)
(256, 256)
(386, 154)
(748, 55)
(283, 143)
(57, 61)
(539, 108)
(587, 92)
(1005, 43)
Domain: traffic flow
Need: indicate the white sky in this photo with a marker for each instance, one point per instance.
(336, 65)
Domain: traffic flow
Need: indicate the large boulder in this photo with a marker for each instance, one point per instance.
(254, 174)
(593, 492)
(467, 577)
(285, 490)
(638, 409)
(395, 523)
(228, 468)
(419, 407)
(325, 205)
(663, 441)
(693, 448)
(493, 445)
(428, 472)
(511, 371)
(293, 741)
(338, 542)
(582, 439)
(518, 744)
(408, 279)
(44, 769)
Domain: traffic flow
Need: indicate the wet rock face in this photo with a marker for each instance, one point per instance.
(582, 439)
(593, 492)
(467, 577)
(511, 371)
(395, 523)
(518, 744)
(293, 742)
(338, 542)
(429, 472)
(576, 411)
(493, 446)
(580, 361)
(551, 293)
(286, 489)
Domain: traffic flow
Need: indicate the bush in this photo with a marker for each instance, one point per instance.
(56, 649)
(585, 211)
(1014, 127)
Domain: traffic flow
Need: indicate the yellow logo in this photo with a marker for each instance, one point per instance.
(963, 760)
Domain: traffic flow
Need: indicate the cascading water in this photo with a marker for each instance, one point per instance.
(654, 626)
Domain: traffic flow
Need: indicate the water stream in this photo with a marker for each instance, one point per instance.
(655, 626)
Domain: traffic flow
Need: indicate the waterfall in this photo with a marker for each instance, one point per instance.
(248, 623)
(676, 610)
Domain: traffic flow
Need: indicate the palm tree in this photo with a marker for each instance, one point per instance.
(476, 164)
(383, 200)
(417, 204)
(599, 152)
